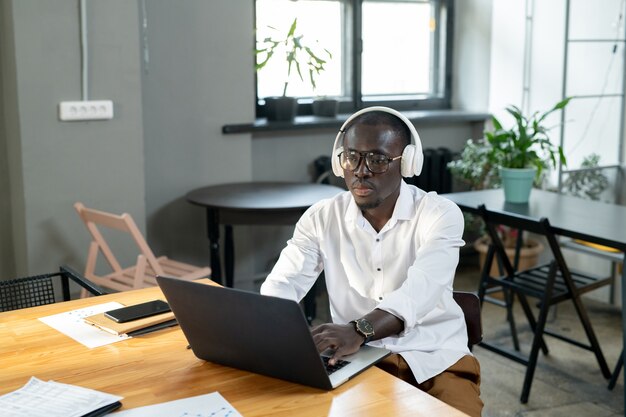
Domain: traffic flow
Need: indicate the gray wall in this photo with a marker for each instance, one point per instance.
(7, 261)
(165, 138)
(52, 164)
(197, 78)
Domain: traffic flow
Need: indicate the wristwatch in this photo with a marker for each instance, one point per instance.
(364, 328)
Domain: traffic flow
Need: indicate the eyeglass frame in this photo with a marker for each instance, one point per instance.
(363, 157)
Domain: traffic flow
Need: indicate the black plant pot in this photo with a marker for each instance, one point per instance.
(281, 108)
(326, 107)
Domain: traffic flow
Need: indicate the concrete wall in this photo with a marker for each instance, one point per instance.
(7, 257)
(52, 164)
(197, 78)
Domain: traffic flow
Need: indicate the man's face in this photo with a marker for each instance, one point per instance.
(372, 190)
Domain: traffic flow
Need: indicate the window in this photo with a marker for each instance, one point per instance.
(388, 52)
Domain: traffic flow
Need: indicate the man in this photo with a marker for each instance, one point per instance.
(389, 252)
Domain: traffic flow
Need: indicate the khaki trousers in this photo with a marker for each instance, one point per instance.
(458, 386)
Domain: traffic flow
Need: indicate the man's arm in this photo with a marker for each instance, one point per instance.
(345, 340)
(299, 263)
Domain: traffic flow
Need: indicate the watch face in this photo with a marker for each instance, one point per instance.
(365, 327)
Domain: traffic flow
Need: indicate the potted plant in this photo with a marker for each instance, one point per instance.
(477, 171)
(297, 55)
(484, 162)
(523, 152)
(588, 182)
(325, 106)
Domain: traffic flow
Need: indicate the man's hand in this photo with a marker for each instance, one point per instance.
(342, 338)
(345, 340)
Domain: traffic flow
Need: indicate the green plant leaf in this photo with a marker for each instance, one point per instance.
(496, 123)
(297, 54)
(292, 29)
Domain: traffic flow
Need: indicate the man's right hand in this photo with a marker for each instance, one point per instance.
(343, 339)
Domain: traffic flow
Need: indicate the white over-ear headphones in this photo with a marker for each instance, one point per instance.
(412, 156)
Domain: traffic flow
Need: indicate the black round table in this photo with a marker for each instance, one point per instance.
(252, 203)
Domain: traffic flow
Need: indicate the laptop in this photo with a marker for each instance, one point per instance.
(257, 333)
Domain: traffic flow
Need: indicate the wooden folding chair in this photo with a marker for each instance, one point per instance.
(143, 273)
(550, 283)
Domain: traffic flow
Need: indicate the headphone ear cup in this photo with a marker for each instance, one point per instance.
(334, 162)
(407, 163)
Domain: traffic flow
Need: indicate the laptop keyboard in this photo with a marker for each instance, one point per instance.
(332, 368)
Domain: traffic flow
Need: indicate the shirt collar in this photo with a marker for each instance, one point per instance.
(404, 209)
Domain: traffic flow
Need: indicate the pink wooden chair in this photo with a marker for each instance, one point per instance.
(140, 275)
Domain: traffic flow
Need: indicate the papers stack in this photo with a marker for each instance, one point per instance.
(53, 399)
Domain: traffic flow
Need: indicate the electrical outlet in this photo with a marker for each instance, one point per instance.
(86, 110)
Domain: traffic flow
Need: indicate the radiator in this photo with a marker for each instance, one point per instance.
(435, 174)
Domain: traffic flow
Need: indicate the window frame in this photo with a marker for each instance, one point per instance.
(353, 70)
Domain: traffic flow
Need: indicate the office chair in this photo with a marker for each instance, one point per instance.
(550, 284)
(143, 273)
(42, 289)
(470, 304)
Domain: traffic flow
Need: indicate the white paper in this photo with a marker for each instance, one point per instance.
(53, 399)
(207, 405)
(71, 324)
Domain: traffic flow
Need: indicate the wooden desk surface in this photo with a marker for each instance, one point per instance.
(157, 367)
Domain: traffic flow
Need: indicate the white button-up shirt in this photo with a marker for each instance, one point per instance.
(406, 269)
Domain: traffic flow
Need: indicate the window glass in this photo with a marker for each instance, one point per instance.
(397, 48)
(319, 24)
(384, 51)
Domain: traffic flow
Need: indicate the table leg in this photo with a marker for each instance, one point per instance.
(213, 231)
(229, 256)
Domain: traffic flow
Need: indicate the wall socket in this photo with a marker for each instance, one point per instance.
(86, 110)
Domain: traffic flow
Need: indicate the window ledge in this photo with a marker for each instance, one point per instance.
(419, 117)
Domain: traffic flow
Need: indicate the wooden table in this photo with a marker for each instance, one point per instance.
(157, 367)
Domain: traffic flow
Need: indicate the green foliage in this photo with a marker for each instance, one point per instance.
(587, 183)
(474, 166)
(296, 53)
(524, 145)
(527, 143)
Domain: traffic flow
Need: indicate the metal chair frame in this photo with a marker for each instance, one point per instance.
(550, 283)
(39, 290)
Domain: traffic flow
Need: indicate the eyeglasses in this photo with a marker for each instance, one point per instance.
(376, 163)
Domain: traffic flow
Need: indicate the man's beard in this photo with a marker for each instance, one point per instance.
(371, 205)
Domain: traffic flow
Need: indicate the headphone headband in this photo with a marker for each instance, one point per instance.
(412, 156)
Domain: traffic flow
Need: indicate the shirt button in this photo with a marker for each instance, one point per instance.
(377, 240)
(378, 269)
(380, 298)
